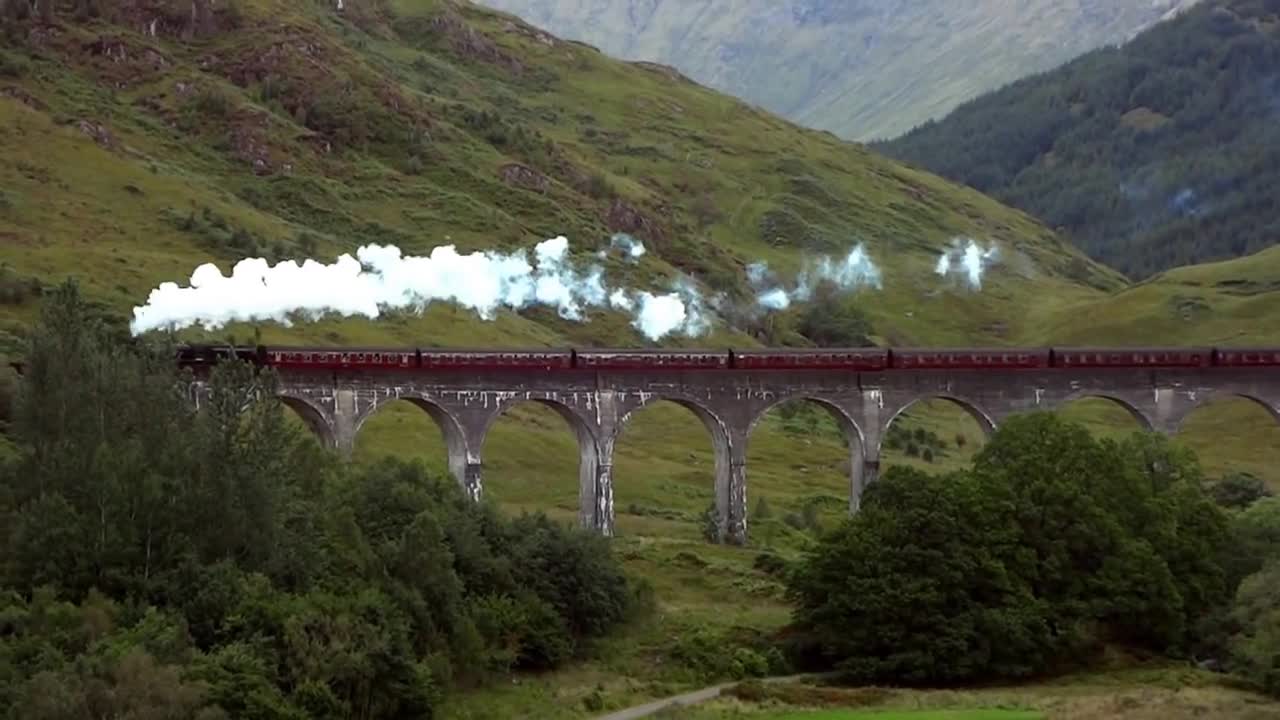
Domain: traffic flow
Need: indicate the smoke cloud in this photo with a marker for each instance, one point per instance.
(968, 260)
(854, 271)
(380, 278)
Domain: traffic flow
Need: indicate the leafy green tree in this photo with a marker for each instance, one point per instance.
(913, 588)
(1055, 543)
(1255, 538)
(1255, 649)
(1239, 490)
(178, 549)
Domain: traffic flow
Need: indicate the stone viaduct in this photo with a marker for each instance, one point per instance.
(597, 404)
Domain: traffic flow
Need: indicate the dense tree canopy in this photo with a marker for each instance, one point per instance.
(1051, 546)
(163, 558)
(1159, 153)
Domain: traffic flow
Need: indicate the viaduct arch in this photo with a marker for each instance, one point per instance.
(597, 405)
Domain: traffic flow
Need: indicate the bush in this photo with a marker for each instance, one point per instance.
(711, 524)
(13, 66)
(834, 319)
(770, 564)
(747, 663)
(1255, 649)
(1239, 490)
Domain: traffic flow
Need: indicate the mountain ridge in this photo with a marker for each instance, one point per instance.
(907, 63)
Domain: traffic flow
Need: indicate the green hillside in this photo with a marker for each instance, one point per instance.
(140, 142)
(862, 69)
(1156, 154)
(283, 130)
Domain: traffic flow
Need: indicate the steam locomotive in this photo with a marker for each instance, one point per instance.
(848, 359)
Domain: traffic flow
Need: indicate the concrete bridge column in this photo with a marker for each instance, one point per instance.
(873, 419)
(346, 421)
(471, 479)
(731, 487)
(1171, 407)
(464, 431)
(602, 514)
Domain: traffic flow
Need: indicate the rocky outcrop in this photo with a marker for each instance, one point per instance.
(523, 176)
(624, 217)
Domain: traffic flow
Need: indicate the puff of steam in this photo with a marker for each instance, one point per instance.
(775, 299)
(968, 259)
(381, 277)
(631, 247)
(853, 271)
(657, 316)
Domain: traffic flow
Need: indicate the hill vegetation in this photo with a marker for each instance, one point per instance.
(210, 562)
(139, 142)
(179, 563)
(1156, 154)
(862, 69)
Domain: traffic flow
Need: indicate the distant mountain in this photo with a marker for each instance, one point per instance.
(1161, 153)
(863, 69)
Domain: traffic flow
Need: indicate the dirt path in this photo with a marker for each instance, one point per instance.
(689, 698)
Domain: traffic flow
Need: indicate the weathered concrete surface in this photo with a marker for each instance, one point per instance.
(597, 405)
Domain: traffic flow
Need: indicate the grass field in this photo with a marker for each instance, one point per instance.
(903, 715)
(1150, 693)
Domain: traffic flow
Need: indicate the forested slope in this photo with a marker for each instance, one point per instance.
(1160, 153)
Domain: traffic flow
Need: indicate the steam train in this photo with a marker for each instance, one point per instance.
(847, 359)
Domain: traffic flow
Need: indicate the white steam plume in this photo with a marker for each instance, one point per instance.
(632, 248)
(382, 278)
(854, 271)
(967, 259)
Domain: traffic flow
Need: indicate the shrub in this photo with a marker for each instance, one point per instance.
(1239, 490)
(747, 663)
(770, 564)
(711, 524)
(11, 65)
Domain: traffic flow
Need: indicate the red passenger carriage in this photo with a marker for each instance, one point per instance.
(473, 360)
(852, 359)
(1132, 357)
(970, 359)
(675, 359)
(1247, 357)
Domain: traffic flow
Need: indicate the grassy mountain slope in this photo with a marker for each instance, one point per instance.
(287, 129)
(1161, 153)
(860, 68)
